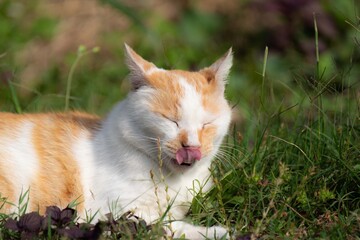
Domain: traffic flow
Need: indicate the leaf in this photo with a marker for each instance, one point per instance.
(54, 213)
(72, 232)
(28, 235)
(67, 215)
(30, 222)
(96, 232)
(129, 228)
(11, 224)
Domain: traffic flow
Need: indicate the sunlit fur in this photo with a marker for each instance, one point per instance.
(115, 163)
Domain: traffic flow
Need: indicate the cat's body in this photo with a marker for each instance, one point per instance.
(165, 133)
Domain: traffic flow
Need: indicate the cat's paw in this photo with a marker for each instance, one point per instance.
(218, 232)
(182, 229)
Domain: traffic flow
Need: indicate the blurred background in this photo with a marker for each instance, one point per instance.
(286, 103)
(39, 42)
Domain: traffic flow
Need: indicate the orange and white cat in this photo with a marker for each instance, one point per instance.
(165, 133)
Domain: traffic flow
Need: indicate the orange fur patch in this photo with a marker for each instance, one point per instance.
(167, 98)
(58, 180)
(166, 101)
(176, 143)
(9, 122)
(7, 190)
(183, 138)
(206, 136)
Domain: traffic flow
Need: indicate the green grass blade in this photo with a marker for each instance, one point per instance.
(14, 97)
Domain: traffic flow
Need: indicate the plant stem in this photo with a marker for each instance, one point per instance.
(263, 74)
(69, 80)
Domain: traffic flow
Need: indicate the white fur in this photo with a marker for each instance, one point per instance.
(19, 149)
(193, 113)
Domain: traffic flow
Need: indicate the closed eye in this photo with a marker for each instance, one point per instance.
(171, 120)
(175, 122)
(207, 124)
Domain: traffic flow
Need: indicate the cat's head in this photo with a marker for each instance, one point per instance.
(186, 111)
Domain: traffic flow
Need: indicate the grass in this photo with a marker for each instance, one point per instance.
(294, 183)
(291, 172)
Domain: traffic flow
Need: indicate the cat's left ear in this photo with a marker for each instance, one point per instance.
(220, 69)
(138, 67)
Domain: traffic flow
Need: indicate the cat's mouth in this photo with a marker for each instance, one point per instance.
(185, 164)
(187, 156)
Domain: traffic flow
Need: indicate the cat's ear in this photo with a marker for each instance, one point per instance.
(220, 69)
(138, 67)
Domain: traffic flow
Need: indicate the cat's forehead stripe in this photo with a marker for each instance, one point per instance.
(166, 99)
(171, 89)
(205, 86)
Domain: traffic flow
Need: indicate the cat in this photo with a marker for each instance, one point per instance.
(153, 149)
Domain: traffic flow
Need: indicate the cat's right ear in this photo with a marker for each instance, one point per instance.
(138, 67)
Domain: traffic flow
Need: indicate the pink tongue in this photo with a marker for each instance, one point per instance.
(188, 155)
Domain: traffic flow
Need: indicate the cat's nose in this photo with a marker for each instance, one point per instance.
(189, 145)
(191, 139)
